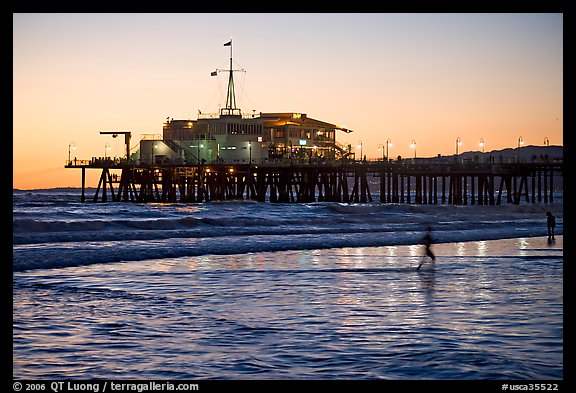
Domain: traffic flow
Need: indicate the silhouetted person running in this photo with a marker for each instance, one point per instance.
(427, 241)
(551, 223)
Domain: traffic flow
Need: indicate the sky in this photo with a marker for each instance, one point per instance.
(424, 77)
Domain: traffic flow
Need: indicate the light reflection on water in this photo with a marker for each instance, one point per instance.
(485, 310)
(482, 247)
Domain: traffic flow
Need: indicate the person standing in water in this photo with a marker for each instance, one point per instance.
(551, 223)
(427, 241)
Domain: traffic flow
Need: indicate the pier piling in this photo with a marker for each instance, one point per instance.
(341, 181)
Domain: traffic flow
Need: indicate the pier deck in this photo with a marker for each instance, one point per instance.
(338, 181)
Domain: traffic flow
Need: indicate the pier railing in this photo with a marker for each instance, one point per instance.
(77, 163)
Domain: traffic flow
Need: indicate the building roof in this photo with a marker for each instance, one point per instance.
(279, 119)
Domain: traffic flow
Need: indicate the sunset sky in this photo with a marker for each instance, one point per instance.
(426, 77)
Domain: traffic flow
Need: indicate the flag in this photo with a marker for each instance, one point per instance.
(213, 73)
(229, 43)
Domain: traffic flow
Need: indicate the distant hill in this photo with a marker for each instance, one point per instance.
(526, 153)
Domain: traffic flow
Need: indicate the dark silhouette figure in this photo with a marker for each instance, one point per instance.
(551, 223)
(427, 241)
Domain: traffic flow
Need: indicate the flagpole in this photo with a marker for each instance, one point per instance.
(230, 54)
(231, 81)
(230, 97)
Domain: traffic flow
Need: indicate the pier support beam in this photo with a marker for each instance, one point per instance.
(83, 195)
(326, 183)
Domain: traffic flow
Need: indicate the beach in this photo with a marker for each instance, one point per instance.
(485, 310)
(302, 291)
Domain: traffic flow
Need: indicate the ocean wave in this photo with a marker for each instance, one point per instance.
(29, 231)
(322, 215)
(67, 255)
(74, 233)
(371, 208)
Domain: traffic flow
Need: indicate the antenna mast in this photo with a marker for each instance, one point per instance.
(230, 108)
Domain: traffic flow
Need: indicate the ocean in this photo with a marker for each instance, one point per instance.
(249, 291)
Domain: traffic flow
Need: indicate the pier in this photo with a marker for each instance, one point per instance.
(290, 157)
(337, 181)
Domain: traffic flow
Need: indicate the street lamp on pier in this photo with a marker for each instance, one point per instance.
(198, 146)
(413, 146)
(520, 142)
(388, 144)
(381, 147)
(106, 150)
(482, 144)
(458, 144)
(153, 158)
(547, 143)
(359, 145)
(71, 146)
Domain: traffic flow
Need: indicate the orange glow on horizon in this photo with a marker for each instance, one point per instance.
(428, 78)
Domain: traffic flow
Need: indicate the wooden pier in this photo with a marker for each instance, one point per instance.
(338, 181)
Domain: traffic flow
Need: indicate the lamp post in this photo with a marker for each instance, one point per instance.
(250, 151)
(482, 144)
(520, 142)
(72, 145)
(360, 146)
(106, 149)
(198, 146)
(381, 147)
(413, 146)
(388, 144)
(547, 143)
(458, 143)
